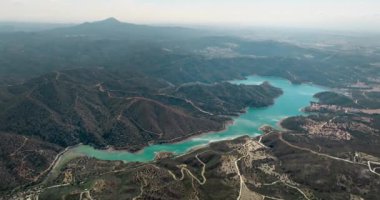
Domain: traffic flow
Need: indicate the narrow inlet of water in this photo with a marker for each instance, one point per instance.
(295, 98)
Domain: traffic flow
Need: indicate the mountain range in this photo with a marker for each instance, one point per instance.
(122, 86)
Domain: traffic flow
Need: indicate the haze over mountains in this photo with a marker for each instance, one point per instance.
(334, 14)
(127, 86)
(113, 29)
(118, 46)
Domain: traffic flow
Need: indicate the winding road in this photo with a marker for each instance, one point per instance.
(184, 168)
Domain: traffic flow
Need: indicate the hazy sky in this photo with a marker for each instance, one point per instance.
(329, 14)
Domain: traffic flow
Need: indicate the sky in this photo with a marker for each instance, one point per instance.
(326, 14)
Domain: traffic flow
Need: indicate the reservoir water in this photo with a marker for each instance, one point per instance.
(295, 97)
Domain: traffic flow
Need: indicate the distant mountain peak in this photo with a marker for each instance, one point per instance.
(111, 20)
(106, 22)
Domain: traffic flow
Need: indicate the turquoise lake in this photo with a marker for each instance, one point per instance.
(295, 98)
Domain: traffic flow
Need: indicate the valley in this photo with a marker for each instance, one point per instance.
(248, 123)
(114, 110)
(251, 166)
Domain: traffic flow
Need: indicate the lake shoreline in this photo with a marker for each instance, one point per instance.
(173, 141)
(248, 122)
